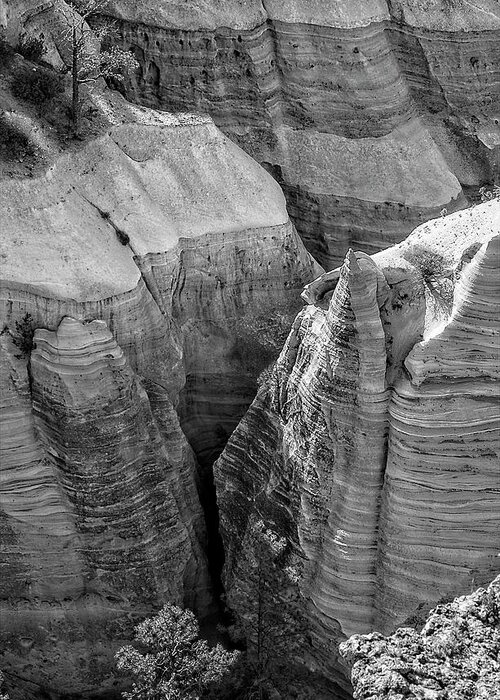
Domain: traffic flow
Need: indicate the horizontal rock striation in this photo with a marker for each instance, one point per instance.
(161, 273)
(377, 448)
(336, 101)
(443, 452)
(101, 502)
(95, 420)
(454, 656)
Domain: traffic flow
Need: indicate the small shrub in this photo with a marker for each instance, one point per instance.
(6, 52)
(36, 86)
(23, 337)
(434, 272)
(14, 143)
(177, 663)
(122, 236)
(31, 47)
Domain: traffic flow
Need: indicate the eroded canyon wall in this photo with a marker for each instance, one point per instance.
(371, 115)
(377, 449)
(161, 273)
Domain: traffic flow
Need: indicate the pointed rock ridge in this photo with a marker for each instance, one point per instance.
(344, 391)
(86, 361)
(95, 418)
(36, 515)
(455, 655)
(382, 477)
(318, 470)
(114, 481)
(440, 505)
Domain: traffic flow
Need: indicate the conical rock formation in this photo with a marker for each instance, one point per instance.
(373, 448)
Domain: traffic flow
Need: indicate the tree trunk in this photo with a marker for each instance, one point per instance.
(76, 100)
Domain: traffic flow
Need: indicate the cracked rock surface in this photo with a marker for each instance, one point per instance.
(454, 657)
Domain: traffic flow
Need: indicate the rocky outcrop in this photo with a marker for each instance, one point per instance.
(161, 272)
(371, 115)
(455, 656)
(376, 456)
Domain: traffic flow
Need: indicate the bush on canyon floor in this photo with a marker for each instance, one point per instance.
(36, 85)
(14, 144)
(172, 662)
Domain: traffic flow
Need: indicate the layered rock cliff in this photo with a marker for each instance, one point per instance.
(371, 115)
(161, 273)
(377, 456)
(100, 514)
(455, 656)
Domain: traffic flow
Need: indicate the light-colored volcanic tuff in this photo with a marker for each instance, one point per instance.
(371, 115)
(377, 449)
(162, 274)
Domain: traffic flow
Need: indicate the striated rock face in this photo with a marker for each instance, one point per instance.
(99, 505)
(377, 450)
(455, 656)
(161, 272)
(371, 115)
(209, 239)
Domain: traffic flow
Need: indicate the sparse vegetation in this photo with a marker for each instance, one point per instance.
(36, 86)
(31, 47)
(6, 51)
(23, 336)
(122, 236)
(3, 694)
(266, 597)
(435, 274)
(14, 144)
